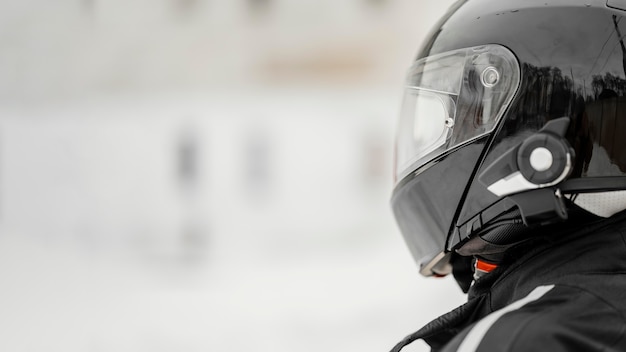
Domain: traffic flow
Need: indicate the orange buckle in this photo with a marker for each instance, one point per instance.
(484, 266)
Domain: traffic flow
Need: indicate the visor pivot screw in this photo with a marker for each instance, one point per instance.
(449, 123)
(490, 77)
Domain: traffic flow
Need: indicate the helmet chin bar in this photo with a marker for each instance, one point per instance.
(527, 174)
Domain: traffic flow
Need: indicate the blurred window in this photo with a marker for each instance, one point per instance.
(259, 6)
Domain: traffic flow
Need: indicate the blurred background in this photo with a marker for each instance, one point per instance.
(206, 175)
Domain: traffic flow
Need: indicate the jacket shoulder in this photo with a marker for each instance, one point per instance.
(550, 318)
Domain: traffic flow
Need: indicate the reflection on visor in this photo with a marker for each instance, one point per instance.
(436, 126)
(451, 99)
(432, 123)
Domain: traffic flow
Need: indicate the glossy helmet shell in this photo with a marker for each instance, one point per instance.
(572, 61)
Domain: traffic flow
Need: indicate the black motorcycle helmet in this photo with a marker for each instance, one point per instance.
(514, 117)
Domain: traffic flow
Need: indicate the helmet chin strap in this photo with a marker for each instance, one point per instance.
(490, 244)
(488, 248)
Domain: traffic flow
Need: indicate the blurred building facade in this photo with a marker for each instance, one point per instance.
(140, 95)
(72, 47)
(227, 164)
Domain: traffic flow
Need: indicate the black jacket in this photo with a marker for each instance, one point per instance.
(559, 292)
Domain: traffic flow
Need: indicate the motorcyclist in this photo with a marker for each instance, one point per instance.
(511, 174)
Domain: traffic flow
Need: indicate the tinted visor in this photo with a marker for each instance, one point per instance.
(452, 102)
(424, 205)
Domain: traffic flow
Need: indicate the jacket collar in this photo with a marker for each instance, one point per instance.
(545, 259)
